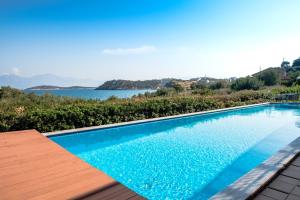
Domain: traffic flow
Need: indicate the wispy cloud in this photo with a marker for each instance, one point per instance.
(130, 51)
(16, 71)
(183, 49)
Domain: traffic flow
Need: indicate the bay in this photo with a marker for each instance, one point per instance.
(90, 93)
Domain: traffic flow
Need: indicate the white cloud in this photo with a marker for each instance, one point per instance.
(130, 51)
(183, 49)
(16, 71)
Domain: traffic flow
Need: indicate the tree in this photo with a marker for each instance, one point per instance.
(218, 85)
(285, 64)
(163, 92)
(297, 81)
(247, 83)
(198, 85)
(296, 62)
(269, 78)
(291, 78)
(175, 85)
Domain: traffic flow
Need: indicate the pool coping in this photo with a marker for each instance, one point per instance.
(78, 130)
(252, 182)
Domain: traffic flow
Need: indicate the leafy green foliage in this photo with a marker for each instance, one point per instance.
(163, 92)
(286, 90)
(204, 91)
(269, 78)
(218, 85)
(127, 84)
(46, 113)
(247, 83)
(285, 64)
(291, 78)
(198, 85)
(296, 63)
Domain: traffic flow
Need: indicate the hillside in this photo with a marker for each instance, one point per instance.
(153, 84)
(277, 70)
(133, 85)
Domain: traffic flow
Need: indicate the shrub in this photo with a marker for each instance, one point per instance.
(175, 85)
(19, 110)
(198, 85)
(296, 63)
(286, 90)
(269, 78)
(163, 92)
(248, 83)
(204, 91)
(218, 85)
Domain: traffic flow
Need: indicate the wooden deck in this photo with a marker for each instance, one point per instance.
(34, 167)
(285, 186)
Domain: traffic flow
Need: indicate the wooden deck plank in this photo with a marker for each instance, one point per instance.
(34, 167)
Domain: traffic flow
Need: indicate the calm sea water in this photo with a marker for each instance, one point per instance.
(187, 158)
(91, 93)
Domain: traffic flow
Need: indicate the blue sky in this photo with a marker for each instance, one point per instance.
(145, 39)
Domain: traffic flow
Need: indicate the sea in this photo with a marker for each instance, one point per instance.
(90, 93)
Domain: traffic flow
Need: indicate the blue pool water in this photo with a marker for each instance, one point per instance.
(191, 157)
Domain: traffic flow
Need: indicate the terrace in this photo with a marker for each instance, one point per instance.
(34, 167)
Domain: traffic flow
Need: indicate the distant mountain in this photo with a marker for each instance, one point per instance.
(133, 85)
(22, 82)
(51, 87)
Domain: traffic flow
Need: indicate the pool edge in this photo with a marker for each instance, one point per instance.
(78, 130)
(251, 183)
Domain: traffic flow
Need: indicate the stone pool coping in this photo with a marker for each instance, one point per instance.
(78, 130)
(251, 183)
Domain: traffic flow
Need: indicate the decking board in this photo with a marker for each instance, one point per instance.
(34, 167)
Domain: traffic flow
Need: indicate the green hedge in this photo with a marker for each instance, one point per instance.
(285, 90)
(49, 113)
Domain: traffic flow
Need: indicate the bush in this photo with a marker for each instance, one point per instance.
(204, 91)
(269, 78)
(248, 83)
(296, 63)
(287, 90)
(198, 85)
(46, 113)
(175, 85)
(112, 98)
(291, 78)
(218, 85)
(163, 92)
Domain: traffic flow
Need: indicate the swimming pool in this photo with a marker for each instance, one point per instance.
(190, 157)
